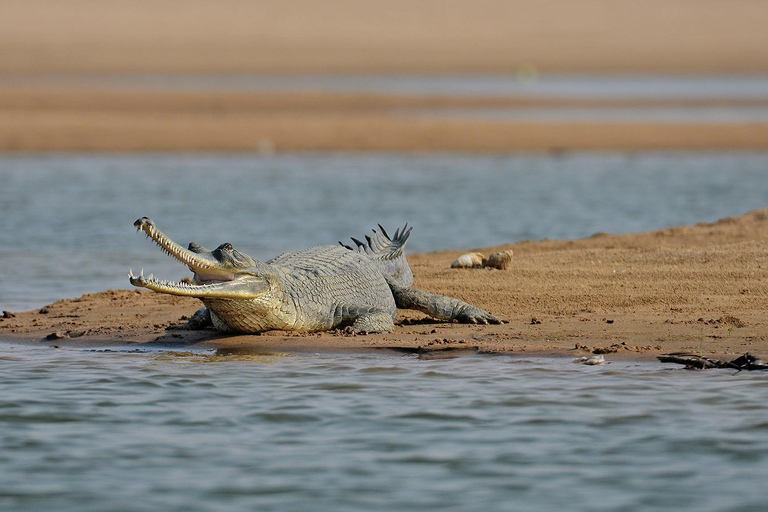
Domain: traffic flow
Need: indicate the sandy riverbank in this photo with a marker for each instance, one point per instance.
(700, 288)
(424, 36)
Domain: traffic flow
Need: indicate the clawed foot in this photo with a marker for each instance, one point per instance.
(475, 315)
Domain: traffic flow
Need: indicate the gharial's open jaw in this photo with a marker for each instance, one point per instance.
(212, 279)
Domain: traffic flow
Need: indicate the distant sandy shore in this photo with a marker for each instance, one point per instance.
(701, 289)
(396, 36)
(76, 120)
(513, 37)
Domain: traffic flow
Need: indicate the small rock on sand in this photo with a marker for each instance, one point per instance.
(501, 260)
(469, 260)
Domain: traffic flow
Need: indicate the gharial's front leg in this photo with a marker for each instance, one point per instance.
(199, 321)
(364, 319)
(373, 322)
(441, 306)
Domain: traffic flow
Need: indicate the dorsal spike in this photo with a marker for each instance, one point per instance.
(380, 242)
(388, 253)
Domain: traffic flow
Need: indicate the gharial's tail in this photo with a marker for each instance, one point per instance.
(388, 254)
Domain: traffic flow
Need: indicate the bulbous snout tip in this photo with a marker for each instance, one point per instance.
(144, 221)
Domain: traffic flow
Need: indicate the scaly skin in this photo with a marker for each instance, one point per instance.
(316, 289)
(332, 287)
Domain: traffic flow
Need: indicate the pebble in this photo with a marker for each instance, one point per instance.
(593, 360)
(501, 260)
(469, 260)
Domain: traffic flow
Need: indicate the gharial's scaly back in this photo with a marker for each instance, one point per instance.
(388, 254)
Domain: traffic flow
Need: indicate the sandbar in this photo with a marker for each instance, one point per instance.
(55, 120)
(699, 289)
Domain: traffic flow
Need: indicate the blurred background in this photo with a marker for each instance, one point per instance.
(446, 75)
(280, 124)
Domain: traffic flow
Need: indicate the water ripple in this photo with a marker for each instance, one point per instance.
(87, 431)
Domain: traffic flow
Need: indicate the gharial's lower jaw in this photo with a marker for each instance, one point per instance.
(225, 290)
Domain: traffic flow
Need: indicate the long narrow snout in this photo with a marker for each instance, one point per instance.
(214, 279)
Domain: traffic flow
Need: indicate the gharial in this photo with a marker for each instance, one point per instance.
(317, 289)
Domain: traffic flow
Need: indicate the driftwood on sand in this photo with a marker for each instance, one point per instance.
(693, 361)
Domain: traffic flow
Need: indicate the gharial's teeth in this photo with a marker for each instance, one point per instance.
(141, 275)
(178, 254)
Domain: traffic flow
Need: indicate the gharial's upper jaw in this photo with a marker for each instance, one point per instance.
(195, 262)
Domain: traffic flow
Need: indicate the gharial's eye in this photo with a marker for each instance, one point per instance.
(227, 247)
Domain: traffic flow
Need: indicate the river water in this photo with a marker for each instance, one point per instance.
(84, 431)
(204, 431)
(552, 85)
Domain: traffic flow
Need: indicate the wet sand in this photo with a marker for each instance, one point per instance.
(701, 289)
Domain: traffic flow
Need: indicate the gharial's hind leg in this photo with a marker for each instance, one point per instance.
(441, 306)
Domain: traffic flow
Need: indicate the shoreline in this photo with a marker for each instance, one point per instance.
(697, 289)
(211, 352)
